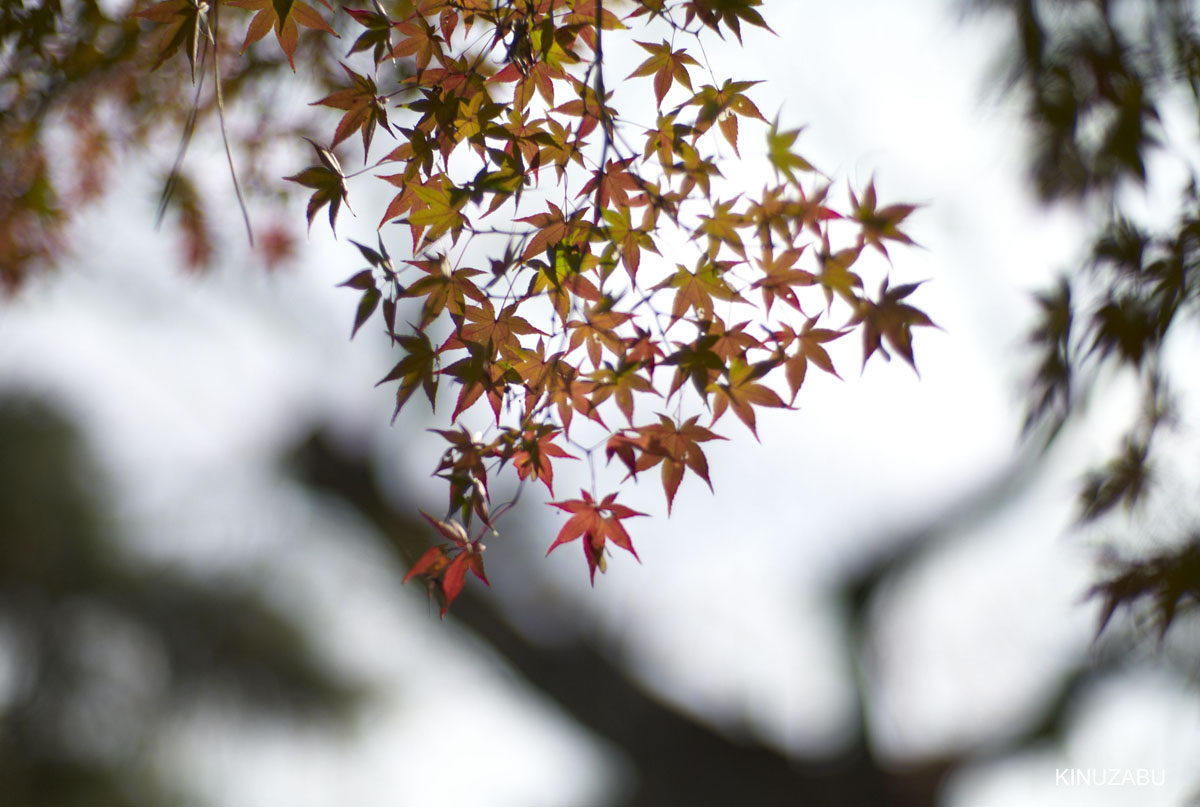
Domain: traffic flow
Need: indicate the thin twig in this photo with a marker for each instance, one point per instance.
(184, 141)
(237, 188)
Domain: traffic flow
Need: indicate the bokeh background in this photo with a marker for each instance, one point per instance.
(204, 517)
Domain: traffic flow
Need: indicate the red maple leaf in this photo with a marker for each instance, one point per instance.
(532, 455)
(445, 575)
(596, 522)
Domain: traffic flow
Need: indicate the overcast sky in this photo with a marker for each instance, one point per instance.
(191, 385)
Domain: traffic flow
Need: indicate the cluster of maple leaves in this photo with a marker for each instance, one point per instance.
(501, 107)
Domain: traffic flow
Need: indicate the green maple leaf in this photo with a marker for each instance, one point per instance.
(835, 275)
(779, 152)
(722, 228)
(442, 210)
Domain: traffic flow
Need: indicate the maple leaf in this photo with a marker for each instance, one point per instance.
(730, 343)
(559, 147)
(418, 39)
(377, 259)
(642, 348)
(587, 108)
(666, 139)
(283, 16)
(534, 370)
(781, 276)
(598, 331)
(378, 35)
(552, 228)
(879, 224)
(596, 523)
(584, 16)
(364, 281)
(779, 152)
(416, 369)
(611, 185)
(328, 182)
(431, 564)
(490, 330)
(742, 393)
(677, 448)
(562, 280)
(810, 211)
(364, 110)
(666, 66)
(532, 455)
(631, 240)
(730, 12)
(407, 199)
(627, 448)
(466, 455)
(446, 575)
(697, 362)
(462, 466)
(835, 275)
(441, 211)
(443, 288)
(570, 393)
(769, 215)
(721, 104)
(809, 343)
(620, 382)
(722, 228)
(538, 78)
(484, 111)
(478, 374)
(697, 170)
(186, 23)
(696, 290)
(889, 318)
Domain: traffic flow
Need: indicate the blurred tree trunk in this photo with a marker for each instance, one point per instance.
(81, 622)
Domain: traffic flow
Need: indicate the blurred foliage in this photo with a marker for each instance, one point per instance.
(77, 93)
(1112, 99)
(98, 651)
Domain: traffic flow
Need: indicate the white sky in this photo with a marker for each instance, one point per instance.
(190, 385)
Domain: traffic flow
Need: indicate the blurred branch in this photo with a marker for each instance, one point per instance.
(676, 759)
